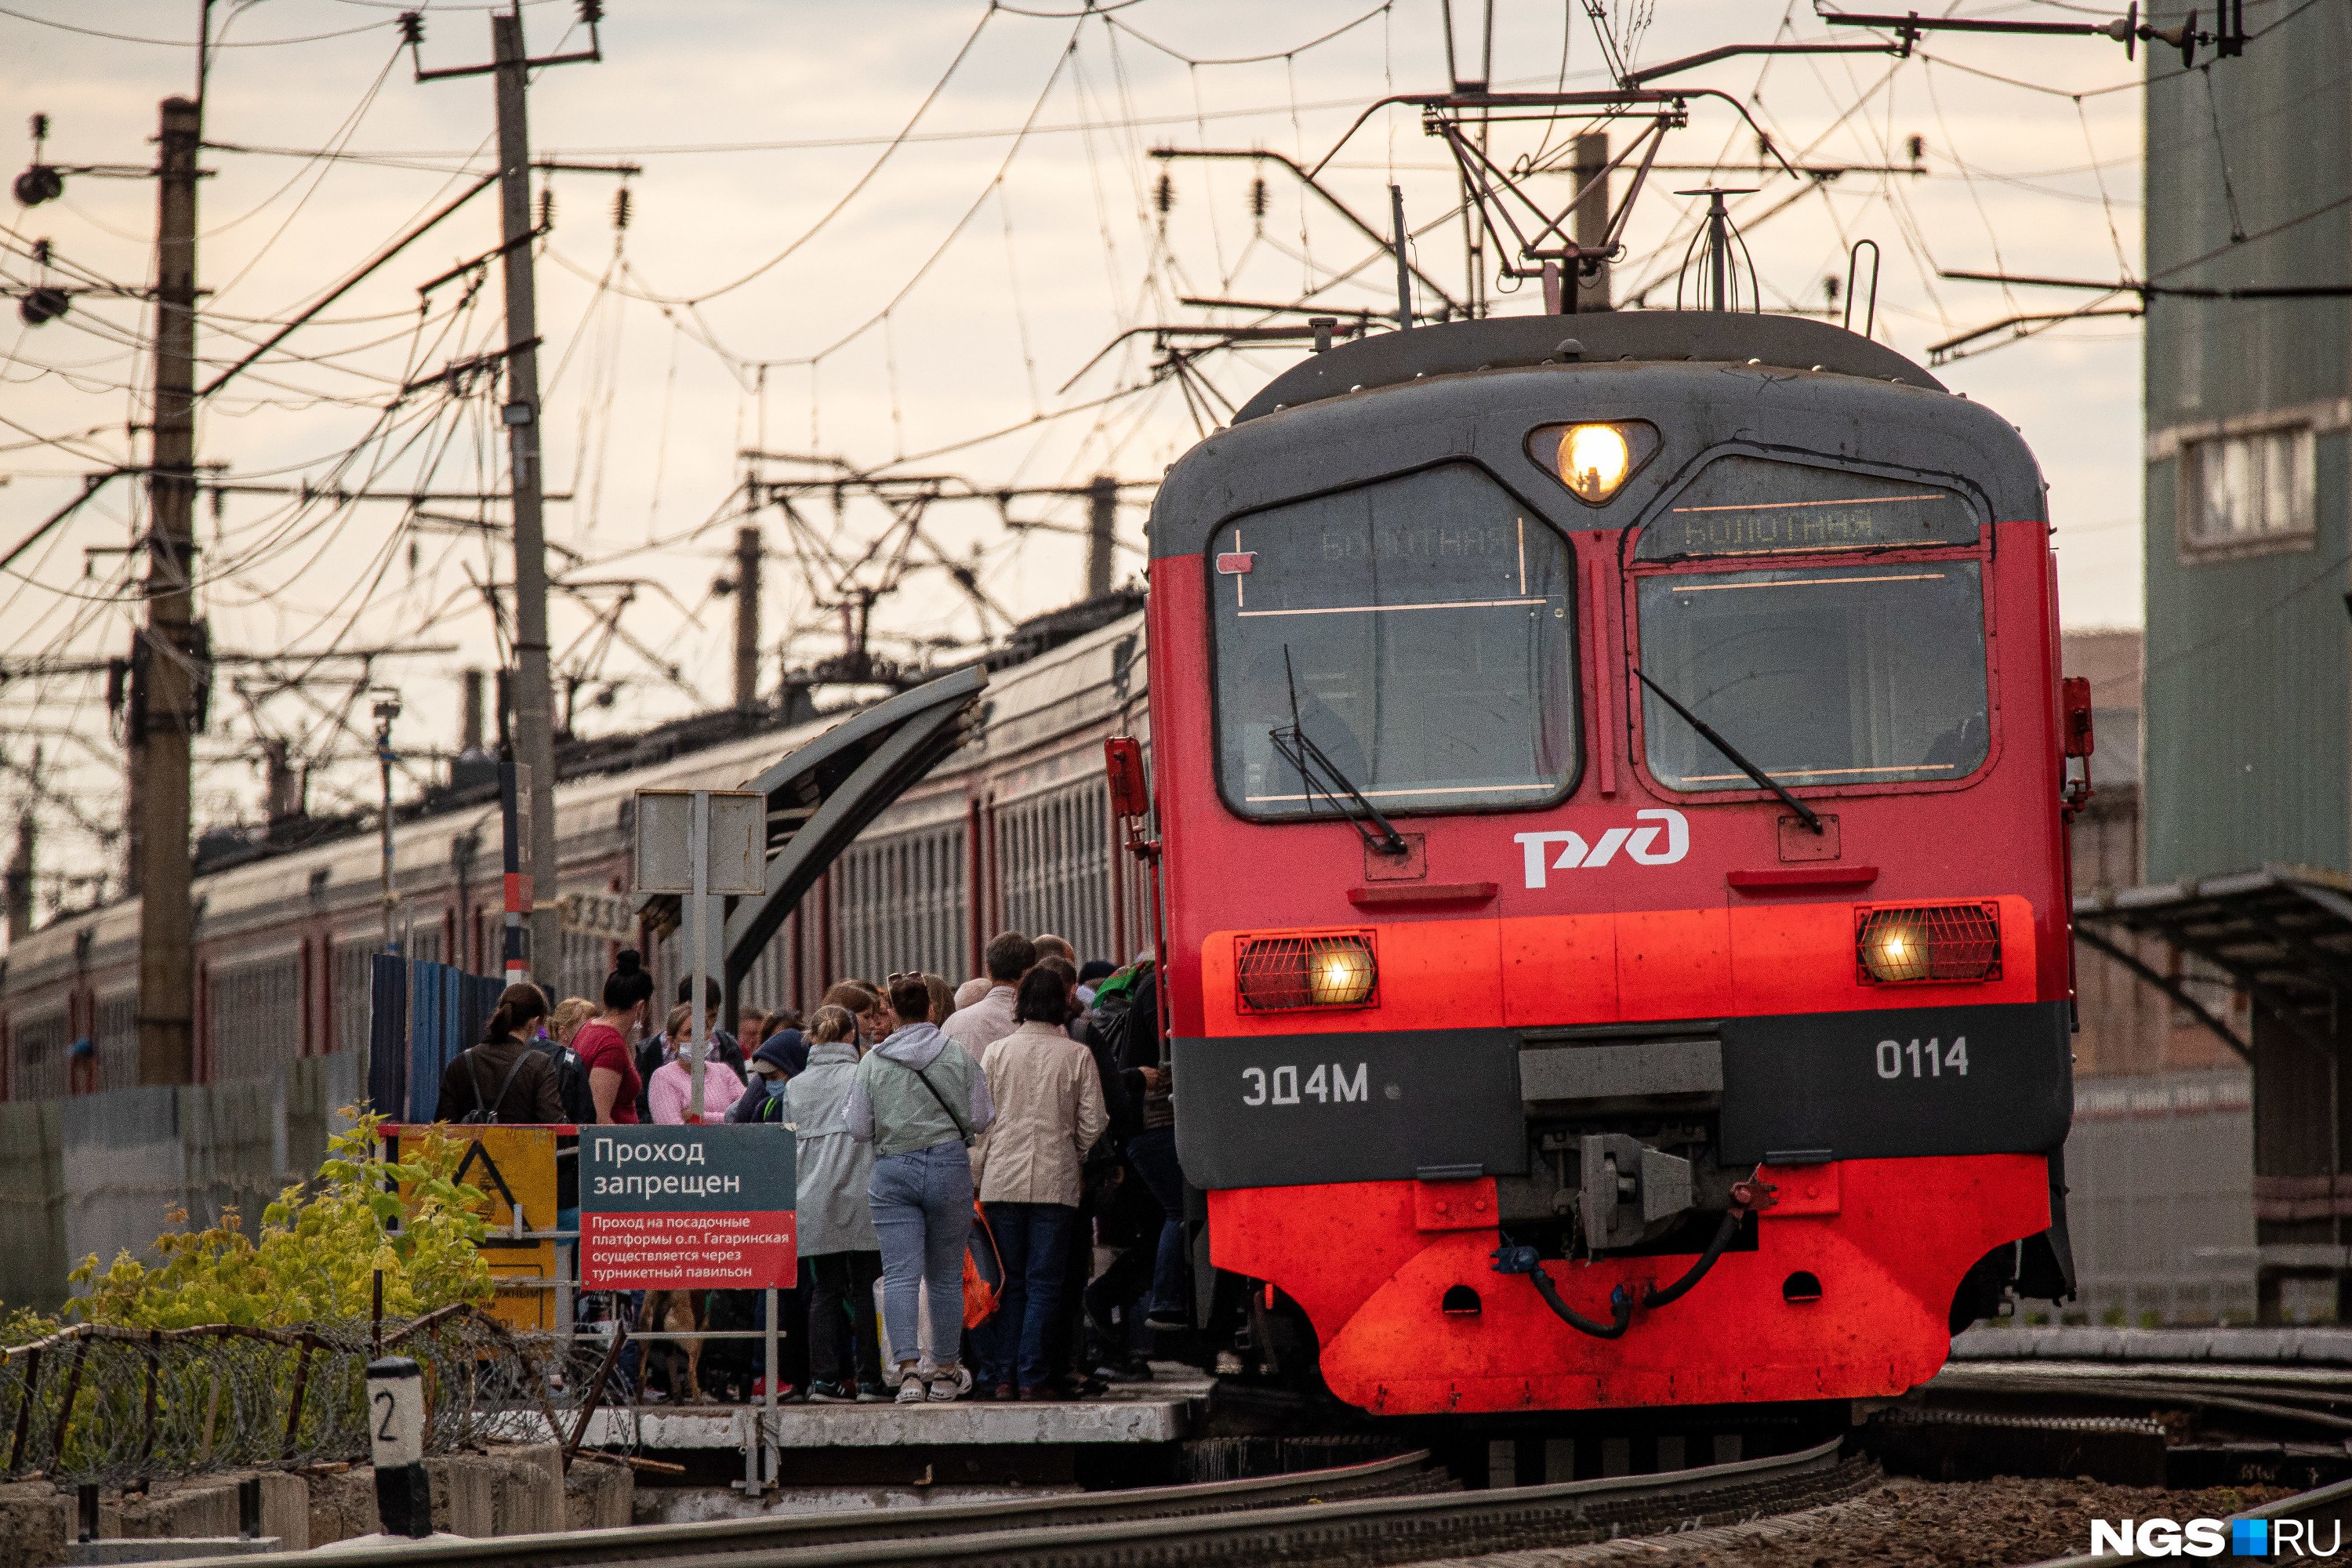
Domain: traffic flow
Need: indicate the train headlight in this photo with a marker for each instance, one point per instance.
(1282, 973)
(1594, 460)
(1918, 943)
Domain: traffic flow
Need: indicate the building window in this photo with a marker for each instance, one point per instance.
(2246, 494)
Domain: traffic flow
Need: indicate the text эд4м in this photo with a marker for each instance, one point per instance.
(2212, 1537)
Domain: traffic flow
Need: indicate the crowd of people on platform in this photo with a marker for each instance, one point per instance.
(1016, 1130)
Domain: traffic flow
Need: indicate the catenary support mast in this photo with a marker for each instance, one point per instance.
(171, 658)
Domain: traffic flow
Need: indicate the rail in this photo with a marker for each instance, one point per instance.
(2328, 1505)
(1293, 1520)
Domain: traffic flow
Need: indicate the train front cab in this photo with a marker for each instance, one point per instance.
(1601, 995)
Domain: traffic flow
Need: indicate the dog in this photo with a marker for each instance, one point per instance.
(675, 1312)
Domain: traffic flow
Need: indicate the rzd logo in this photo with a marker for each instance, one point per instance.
(2211, 1537)
(1640, 845)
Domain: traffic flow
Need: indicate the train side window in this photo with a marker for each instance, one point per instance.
(1740, 505)
(1420, 627)
(1837, 671)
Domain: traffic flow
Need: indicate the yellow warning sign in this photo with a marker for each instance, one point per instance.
(514, 1169)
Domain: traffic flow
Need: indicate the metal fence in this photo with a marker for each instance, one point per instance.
(114, 1404)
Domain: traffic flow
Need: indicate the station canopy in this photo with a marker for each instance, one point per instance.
(2282, 934)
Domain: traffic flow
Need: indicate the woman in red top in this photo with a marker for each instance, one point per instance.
(603, 1043)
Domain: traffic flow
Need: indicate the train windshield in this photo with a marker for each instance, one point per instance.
(1838, 675)
(1415, 630)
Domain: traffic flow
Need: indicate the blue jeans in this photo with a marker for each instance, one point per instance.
(922, 1212)
(1154, 1155)
(1034, 1240)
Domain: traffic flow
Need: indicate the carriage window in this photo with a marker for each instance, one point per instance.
(1417, 632)
(1754, 506)
(1821, 675)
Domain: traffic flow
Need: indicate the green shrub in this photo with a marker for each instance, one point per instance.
(319, 1249)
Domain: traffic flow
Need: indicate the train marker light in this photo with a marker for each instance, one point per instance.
(1924, 944)
(1284, 974)
(1593, 459)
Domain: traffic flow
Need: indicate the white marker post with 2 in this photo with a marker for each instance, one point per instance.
(404, 1497)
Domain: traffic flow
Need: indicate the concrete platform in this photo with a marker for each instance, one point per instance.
(966, 1423)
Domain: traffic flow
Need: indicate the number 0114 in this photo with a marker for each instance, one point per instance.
(1924, 1059)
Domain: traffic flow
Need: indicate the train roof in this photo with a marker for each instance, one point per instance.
(1028, 704)
(1709, 382)
(1505, 343)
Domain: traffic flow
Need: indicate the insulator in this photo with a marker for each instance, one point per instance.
(1918, 146)
(547, 206)
(1164, 195)
(1830, 287)
(592, 11)
(40, 127)
(1259, 200)
(620, 207)
(412, 26)
(40, 184)
(40, 253)
(41, 305)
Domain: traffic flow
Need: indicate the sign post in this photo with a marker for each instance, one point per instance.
(694, 1208)
(701, 843)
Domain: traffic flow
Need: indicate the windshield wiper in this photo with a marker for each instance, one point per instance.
(1299, 749)
(1812, 817)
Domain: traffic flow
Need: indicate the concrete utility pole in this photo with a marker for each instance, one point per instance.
(746, 621)
(534, 690)
(532, 884)
(170, 658)
(1592, 216)
(1102, 528)
(20, 878)
(386, 713)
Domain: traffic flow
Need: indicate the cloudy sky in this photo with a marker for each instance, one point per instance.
(896, 235)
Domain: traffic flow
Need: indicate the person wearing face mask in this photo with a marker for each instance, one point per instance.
(773, 1065)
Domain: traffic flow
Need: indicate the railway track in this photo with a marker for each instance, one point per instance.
(2175, 1424)
(1389, 1511)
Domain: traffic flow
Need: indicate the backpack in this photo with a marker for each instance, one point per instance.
(486, 1111)
(571, 1082)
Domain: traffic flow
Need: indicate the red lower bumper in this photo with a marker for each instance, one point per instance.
(1887, 1240)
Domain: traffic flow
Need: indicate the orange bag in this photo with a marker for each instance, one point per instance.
(984, 1272)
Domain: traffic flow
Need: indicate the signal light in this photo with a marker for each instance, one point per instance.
(1286, 973)
(1594, 458)
(1925, 944)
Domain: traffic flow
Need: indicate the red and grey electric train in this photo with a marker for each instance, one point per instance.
(1610, 770)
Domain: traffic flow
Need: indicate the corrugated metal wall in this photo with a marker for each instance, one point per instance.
(2248, 688)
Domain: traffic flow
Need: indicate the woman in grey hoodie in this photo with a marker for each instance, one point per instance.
(920, 1098)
